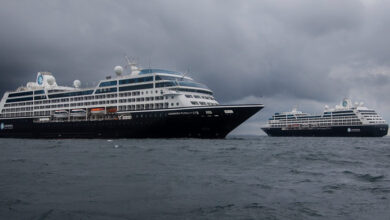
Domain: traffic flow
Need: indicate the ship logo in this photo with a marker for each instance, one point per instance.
(40, 80)
(1, 126)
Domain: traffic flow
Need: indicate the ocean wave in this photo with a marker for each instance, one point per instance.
(365, 177)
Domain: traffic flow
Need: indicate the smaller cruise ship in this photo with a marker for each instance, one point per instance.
(345, 120)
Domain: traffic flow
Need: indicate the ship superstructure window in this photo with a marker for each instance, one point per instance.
(372, 111)
(341, 112)
(194, 90)
(192, 84)
(367, 112)
(136, 87)
(55, 90)
(165, 84)
(108, 90)
(19, 99)
(147, 71)
(39, 97)
(79, 93)
(20, 94)
(136, 80)
(109, 83)
(39, 92)
(172, 78)
(180, 83)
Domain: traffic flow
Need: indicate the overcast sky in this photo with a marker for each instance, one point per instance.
(276, 52)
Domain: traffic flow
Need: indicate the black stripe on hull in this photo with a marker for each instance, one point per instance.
(177, 123)
(335, 131)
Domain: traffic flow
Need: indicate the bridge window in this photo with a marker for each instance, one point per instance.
(109, 83)
(136, 80)
(20, 94)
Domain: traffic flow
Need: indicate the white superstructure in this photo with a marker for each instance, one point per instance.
(143, 89)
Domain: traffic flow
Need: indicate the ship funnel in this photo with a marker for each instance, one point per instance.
(347, 103)
(45, 79)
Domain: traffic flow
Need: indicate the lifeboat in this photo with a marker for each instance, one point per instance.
(60, 114)
(97, 111)
(295, 125)
(78, 112)
(111, 110)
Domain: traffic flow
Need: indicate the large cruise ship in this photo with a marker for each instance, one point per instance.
(146, 103)
(346, 120)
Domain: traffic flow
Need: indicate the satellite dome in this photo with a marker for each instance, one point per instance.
(118, 70)
(77, 83)
(50, 81)
(31, 85)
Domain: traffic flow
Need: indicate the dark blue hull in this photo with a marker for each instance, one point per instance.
(334, 131)
(201, 122)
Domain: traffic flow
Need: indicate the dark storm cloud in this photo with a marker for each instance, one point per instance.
(300, 50)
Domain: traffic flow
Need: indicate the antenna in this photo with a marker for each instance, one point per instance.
(128, 61)
(185, 73)
(182, 76)
(176, 82)
(132, 63)
(295, 107)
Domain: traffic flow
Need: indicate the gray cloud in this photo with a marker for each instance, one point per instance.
(304, 51)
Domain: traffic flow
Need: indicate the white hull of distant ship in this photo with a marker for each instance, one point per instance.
(334, 131)
(193, 122)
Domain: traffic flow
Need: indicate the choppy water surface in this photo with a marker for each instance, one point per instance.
(236, 178)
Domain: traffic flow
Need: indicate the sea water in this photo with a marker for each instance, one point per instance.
(233, 178)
